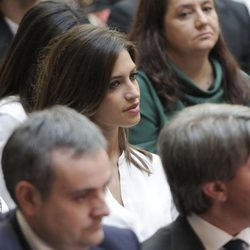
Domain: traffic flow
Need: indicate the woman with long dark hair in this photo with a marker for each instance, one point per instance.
(183, 61)
(92, 70)
(41, 23)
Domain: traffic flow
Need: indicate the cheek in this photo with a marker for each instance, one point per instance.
(239, 197)
(214, 21)
(100, 113)
(137, 86)
(74, 215)
(176, 33)
(240, 188)
(106, 106)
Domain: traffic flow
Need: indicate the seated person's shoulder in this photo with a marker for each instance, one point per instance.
(10, 235)
(7, 233)
(119, 239)
(159, 240)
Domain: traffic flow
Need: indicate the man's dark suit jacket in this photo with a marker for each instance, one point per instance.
(234, 20)
(6, 37)
(177, 236)
(122, 14)
(11, 237)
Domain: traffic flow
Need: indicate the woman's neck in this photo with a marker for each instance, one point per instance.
(197, 67)
(113, 149)
(114, 152)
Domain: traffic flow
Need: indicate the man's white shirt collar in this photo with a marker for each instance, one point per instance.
(212, 237)
(34, 241)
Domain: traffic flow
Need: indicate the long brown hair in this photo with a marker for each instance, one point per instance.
(148, 34)
(76, 72)
(41, 23)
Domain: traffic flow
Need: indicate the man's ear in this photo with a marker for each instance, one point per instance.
(28, 197)
(216, 190)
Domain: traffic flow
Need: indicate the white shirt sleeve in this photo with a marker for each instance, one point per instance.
(7, 125)
(3, 206)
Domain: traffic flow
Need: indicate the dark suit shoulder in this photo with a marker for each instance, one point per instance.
(4, 27)
(238, 9)
(11, 236)
(5, 38)
(122, 14)
(161, 240)
(176, 236)
(8, 237)
(234, 21)
(119, 239)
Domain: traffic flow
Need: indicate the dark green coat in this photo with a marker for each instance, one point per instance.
(153, 114)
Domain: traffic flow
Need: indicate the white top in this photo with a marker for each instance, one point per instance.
(212, 237)
(13, 26)
(147, 199)
(34, 241)
(11, 115)
(3, 206)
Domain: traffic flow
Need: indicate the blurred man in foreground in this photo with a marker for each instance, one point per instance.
(56, 169)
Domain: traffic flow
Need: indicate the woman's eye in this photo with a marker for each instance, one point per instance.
(133, 76)
(207, 9)
(114, 84)
(184, 14)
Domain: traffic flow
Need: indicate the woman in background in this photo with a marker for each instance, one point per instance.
(41, 23)
(183, 61)
(92, 70)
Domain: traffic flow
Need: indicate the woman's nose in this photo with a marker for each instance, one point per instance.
(132, 91)
(201, 18)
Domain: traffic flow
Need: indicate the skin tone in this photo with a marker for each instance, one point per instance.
(231, 202)
(192, 30)
(99, 18)
(120, 108)
(70, 218)
(16, 9)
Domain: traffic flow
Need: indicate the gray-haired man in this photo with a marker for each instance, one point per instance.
(56, 169)
(205, 151)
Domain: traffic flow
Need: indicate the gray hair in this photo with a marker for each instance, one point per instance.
(203, 143)
(27, 153)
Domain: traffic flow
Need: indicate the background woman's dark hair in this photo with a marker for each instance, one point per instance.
(41, 23)
(76, 72)
(148, 34)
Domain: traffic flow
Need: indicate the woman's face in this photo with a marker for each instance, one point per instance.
(120, 107)
(191, 26)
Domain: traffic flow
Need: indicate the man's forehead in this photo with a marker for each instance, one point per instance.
(90, 167)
